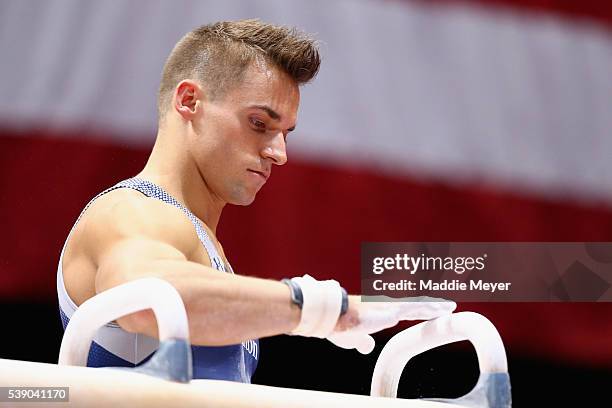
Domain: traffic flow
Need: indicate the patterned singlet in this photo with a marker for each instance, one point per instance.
(114, 347)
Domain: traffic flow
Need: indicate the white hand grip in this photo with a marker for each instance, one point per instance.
(141, 294)
(434, 333)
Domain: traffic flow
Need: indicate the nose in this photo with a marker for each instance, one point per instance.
(276, 149)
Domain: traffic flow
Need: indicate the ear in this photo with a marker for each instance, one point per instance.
(187, 99)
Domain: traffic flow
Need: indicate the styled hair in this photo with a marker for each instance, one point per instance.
(217, 55)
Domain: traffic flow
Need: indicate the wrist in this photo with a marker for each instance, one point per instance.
(345, 302)
(351, 318)
(321, 304)
(297, 297)
(292, 314)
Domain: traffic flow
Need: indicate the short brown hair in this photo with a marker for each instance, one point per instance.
(218, 54)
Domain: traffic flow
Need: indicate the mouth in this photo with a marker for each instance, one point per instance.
(264, 175)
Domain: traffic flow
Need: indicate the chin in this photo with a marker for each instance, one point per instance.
(244, 203)
(243, 199)
(242, 195)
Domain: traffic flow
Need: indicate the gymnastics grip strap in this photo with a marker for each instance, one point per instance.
(321, 307)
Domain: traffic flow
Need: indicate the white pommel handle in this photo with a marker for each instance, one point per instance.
(131, 297)
(434, 333)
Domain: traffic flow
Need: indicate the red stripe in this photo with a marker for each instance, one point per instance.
(308, 219)
(593, 10)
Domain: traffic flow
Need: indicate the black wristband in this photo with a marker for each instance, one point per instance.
(345, 304)
(296, 292)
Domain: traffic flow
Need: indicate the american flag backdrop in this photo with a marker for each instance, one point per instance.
(429, 121)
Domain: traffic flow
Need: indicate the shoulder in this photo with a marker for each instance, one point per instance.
(127, 214)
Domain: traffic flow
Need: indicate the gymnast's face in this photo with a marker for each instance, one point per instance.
(238, 137)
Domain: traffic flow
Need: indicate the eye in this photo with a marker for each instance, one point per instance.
(257, 124)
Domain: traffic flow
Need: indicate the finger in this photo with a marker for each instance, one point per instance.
(360, 341)
(444, 303)
(378, 318)
(425, 310)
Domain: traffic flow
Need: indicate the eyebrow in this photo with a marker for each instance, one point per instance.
(272, 114)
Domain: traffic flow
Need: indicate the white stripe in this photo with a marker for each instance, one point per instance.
(452, 92)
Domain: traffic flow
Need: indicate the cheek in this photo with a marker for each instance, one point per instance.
(238, 145)
(228, 146)
(229, 156)
(230, 153)
(222, 139)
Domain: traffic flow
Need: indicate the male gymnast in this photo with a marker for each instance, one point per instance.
(228, 98)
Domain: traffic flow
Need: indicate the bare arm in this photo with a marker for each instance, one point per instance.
(132, 242)
(145, 238)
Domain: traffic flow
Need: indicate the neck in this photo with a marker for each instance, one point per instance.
(172, 169)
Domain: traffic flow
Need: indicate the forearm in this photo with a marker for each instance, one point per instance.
(237, 308)
(222, 308)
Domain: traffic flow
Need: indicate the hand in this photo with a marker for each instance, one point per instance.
(362, 319)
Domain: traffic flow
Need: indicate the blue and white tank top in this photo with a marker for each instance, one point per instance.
(114, 347)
